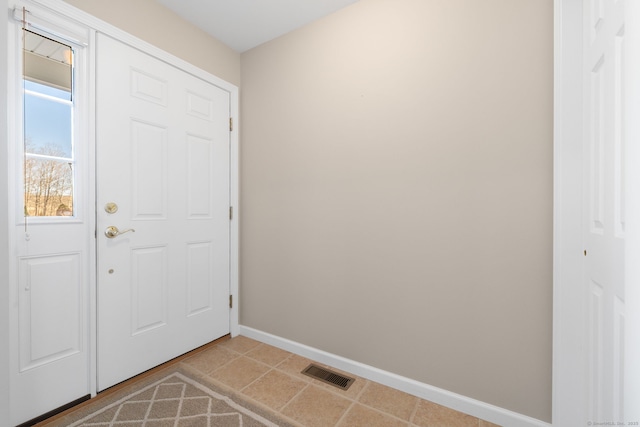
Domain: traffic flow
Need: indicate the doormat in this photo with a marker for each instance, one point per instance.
(176, 399)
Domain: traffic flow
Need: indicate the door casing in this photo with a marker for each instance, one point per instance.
(632, 247)
(569, 369)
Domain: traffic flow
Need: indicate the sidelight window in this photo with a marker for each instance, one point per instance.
(48, 164)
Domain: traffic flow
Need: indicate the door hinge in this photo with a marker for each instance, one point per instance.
(230, 213)
(230, 124)
(230, 301)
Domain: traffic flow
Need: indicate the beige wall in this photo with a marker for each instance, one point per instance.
(397, 192)
(154, 23)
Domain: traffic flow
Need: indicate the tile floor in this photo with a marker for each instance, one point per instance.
(271, 378)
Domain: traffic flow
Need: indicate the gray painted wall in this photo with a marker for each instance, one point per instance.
(397, 192)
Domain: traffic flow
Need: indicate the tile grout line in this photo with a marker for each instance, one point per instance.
(226, 345)
(415, 411)
(353, 403)
(356, 400)
(282, 371)
(267, 364)
(291, 356)
(241, 390)
(186, 361)
(271, 367)
(241, 355)
(307, 385)
(361, 392)
(380, 411)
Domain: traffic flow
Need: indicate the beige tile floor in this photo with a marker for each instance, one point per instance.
(271, 378)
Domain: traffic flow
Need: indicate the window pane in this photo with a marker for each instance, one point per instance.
(63, 95)
(48, 187)
(47, 125)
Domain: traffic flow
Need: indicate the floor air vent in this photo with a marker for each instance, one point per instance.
(328, 376)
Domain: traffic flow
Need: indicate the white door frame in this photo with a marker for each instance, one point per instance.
(4, 229)
(632, 248)
(82, 18)
(569, 308)
(570, 386)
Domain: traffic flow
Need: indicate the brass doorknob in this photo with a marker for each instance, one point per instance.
(112, 231)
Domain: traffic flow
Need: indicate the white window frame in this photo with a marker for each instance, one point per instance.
(60, 29)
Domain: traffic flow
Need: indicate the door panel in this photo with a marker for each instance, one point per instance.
(50, 334)
(149, 290)
(163, 159)
(149, 170)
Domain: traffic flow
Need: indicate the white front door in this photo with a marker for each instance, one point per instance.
(604, 198)
(163, 144)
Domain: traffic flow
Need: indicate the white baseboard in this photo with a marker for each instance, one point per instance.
(476, 408)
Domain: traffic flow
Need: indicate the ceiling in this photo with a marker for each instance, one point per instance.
(244, 24)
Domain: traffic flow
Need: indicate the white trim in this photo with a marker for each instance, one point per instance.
(93, 255)
(5, 225)
(43, 21)
(9, 150)
(437, 395)
(632, 241)
(234, 195)
(569, 367)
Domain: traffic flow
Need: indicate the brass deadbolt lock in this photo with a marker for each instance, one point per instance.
(111, 208)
